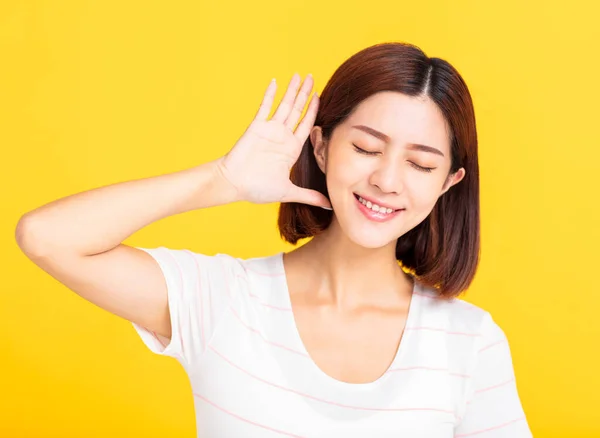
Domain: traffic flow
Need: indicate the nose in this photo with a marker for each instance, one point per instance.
(387, 176)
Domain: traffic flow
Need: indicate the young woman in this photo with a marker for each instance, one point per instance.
(335, 338)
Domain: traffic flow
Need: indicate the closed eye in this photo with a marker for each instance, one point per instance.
(415, 165)
(424, 169)
(362, 151)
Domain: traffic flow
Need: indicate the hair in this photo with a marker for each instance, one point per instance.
(443, 250)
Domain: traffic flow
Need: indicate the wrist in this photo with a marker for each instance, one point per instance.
(223, 190)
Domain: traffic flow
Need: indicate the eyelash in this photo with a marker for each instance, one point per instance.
(362, 151)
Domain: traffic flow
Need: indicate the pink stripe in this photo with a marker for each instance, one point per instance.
(495, 386)
(262, 336)
(199, 296)
(502, 341)
(461, 375)
(427, 369)
(245, 419)
(491, 428)
(251, 328)
(442, 330)
(270, 306)
(320, 399)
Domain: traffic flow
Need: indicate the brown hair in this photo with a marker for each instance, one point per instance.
(443, 250)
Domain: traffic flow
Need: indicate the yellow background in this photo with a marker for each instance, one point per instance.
(93, 93)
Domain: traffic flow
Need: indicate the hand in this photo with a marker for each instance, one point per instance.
(258, 166)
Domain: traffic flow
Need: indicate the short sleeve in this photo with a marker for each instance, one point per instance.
(198, 296)
(493, 407)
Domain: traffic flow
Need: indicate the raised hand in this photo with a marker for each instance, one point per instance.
(259, 164)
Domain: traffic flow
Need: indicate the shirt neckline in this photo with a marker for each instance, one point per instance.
(322, 375)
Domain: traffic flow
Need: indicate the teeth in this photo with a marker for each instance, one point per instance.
(375, 207)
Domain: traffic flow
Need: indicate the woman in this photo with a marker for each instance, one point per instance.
(334, 338)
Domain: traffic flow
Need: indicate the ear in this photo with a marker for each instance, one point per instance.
(453, 179)
(319, 147)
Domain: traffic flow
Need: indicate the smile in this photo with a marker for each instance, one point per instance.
(374, 212)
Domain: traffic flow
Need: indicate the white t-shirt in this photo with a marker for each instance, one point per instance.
(234, 333)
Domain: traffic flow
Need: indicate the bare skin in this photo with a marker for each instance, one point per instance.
(352, 335)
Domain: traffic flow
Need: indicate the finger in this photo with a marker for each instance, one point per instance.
(303, 129)
(307, 196)
(283, 110)
(265, 107)
(300, 102)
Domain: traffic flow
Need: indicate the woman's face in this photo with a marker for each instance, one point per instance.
(393, 151)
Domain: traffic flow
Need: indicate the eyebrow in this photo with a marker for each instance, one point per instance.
(387, 139)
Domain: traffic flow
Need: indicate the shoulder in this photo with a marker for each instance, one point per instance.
(459, 316)
(184, 262)
(263, 266)
(260, 274)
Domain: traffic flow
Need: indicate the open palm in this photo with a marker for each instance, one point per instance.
(259, 164)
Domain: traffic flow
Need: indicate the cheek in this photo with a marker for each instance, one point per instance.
(344, 169)
(423, 191)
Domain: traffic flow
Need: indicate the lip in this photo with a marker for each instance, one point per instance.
(375, 215)
(376, 201)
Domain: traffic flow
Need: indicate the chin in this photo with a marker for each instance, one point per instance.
(370, 239)
(371, 245)
(367, 234)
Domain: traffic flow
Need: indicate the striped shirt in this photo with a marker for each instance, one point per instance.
(234, 333)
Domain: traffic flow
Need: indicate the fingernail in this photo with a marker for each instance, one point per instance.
(327, 208)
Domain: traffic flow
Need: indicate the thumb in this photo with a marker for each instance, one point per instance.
(307, 196)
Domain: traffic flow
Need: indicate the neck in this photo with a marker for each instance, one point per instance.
(348, 276)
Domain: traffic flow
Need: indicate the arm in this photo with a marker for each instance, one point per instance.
(98, 220)
(77, 240)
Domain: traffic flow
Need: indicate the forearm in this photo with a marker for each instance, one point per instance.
(98, 220)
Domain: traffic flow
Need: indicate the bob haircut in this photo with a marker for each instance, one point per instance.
(443, 250)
